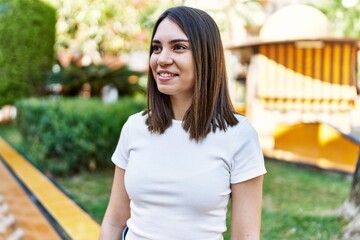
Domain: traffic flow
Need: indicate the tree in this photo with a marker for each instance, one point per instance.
(27, 35)
(351, 208)
(344, 14)
(92, 29)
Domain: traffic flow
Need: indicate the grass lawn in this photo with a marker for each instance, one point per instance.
(298, 201)
(90, 190)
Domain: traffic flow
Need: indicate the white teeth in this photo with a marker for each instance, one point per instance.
(167, 74)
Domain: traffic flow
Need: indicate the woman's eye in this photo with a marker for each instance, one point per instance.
(156, 49)
(179, 47)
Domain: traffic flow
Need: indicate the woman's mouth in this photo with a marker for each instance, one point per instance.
(164, 76)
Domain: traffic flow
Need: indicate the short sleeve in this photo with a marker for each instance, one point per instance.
(121, 154)
(248, 159)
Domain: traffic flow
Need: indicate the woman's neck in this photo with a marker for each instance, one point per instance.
(180, 107)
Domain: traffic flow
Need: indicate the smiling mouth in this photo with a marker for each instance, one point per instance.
(167, 74)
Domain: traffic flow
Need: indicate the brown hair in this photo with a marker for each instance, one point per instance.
(211, 107)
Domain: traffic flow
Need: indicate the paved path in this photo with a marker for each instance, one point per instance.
(65, 213)
(27, 216)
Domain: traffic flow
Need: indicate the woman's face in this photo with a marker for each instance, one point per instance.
(171, 61)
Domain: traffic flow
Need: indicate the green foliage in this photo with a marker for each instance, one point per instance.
(96, 28)
(9, 132)
(27, 30)
(73, 77)
(65, 136)
(345, 19)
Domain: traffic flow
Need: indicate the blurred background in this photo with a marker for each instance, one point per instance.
(71, 72)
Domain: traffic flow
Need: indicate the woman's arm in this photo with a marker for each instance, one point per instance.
(246, 204)
(118, 209)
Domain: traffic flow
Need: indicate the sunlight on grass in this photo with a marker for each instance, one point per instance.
(10, 133)
(300, 202)
(90, 190)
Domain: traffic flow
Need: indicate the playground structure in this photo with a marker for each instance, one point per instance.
(302, 96)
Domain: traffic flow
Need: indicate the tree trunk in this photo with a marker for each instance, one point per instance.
(351, 208)
(355, 191)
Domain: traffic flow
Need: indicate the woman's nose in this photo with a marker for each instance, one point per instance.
(165, 58)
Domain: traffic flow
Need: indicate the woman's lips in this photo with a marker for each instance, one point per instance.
(166, 76)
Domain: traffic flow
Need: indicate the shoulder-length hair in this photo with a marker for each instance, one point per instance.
(211, 106)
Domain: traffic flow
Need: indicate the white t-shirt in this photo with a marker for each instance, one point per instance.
(179, 189)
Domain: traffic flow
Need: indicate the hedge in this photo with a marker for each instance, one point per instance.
(69, 135)
(27, 36)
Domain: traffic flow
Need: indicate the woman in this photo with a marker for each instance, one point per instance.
(178, 162)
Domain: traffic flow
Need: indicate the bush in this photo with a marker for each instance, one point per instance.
(66, 136)
(27, 30)
(73, 77)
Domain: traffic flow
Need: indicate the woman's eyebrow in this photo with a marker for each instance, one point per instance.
(172, 41)
(179, 40)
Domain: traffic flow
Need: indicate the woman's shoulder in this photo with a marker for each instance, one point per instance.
(244, 124)
(242, 120)
(139, 117)
(134, 122)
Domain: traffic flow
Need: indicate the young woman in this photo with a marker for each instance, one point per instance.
(179, 162)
